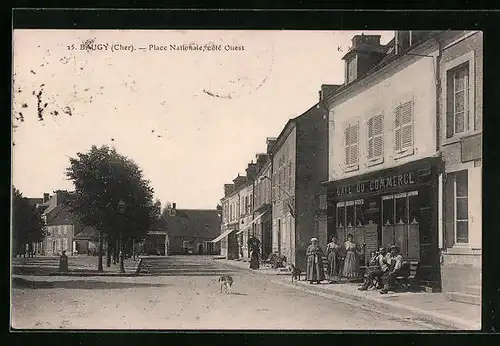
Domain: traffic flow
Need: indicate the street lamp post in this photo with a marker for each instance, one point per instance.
(121, 210)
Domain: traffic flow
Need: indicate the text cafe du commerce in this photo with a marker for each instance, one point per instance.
(395, 206)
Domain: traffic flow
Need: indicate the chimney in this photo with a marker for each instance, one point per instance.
(46, 197)
(228, 189)
(373, 40)
(251, 170)
(270, 141)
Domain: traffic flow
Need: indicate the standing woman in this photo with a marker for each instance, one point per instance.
(351, 262)
(314, 270)
(333, 254)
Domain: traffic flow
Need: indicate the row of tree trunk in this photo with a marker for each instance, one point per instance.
(112, 251)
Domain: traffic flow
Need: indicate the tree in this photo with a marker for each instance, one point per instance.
(102, 179)
(27, 223)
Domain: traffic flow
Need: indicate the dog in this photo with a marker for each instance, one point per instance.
(226, 282)
(295, 272)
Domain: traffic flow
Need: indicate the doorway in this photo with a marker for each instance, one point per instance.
(279, 237)
(200, 249)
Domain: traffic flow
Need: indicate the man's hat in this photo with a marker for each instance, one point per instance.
(394, 247)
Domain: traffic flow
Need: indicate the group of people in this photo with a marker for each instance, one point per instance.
(343, 262)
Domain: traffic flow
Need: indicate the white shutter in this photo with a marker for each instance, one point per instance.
(397, 129)
(347, 144)
(378, 133)
(354, 144)
(370, 139)
(406, 125)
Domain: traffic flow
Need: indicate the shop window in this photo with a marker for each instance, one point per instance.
(403, 127)
(350, 221)
(375, 138)
(457, 186)
(457, 115)
(351, 145)
(400, 225)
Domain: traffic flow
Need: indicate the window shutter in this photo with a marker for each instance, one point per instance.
(407, 125)
(370, 139)
(354, 144)
(397, 129)
(347, 143)
(449, 211)
(378, 146)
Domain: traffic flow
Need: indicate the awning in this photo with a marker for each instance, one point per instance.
(222, 236)
(251, 223)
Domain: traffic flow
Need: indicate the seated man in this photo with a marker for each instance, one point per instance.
(396, 264)
(377, 269)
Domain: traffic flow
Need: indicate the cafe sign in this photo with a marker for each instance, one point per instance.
(380, 183)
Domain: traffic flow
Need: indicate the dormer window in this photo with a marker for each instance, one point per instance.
(351, 72)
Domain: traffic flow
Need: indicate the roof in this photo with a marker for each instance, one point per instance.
(35, 201)
(159, 225)
(364, 47)
(202, 223)
(88, 232)
(388, 59)
(60, 215)
(289, 123)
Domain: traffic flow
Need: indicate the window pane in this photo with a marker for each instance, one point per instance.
(340, 216)
(460, 79)
(462, 231)
(459, 101)
(401, 211)
(462, 208)
(462, 183)
(350, 215)
(459, 122)
(388, 212)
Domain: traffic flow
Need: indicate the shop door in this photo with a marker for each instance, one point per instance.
(350, 221)
(279, 237)
(400, 226)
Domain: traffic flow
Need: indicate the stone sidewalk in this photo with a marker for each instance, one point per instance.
(435, 307)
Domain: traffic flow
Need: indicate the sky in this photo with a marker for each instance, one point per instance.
(192, 120)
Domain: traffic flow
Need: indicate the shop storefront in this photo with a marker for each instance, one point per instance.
(396, 206)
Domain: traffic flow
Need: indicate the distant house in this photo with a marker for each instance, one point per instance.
(190, 231)
(60, 231)
(156, 241)
(86, 242)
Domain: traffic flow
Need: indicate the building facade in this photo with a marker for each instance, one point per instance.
(460, 100)
(262, 204)
(191, 231)
(384, 163)
(299, 169)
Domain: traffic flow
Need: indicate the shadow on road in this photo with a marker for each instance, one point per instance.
(78, 284)
(237, 294)
(189, 273)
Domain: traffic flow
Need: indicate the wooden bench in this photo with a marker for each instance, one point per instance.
(409, 272)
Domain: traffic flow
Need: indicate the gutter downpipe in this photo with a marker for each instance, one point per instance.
(441, 173)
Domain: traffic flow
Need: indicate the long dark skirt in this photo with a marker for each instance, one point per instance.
(254, 260)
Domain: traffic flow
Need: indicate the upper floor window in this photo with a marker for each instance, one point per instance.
(351, 144)
(375, 137)
(457, 117)
(403, 127)
(351, 69)
(457, 216)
